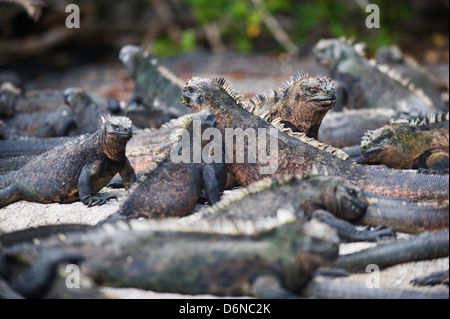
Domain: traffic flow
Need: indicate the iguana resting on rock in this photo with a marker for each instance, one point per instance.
(154, 84)
(75, 170)
(301, 105)
(173, 180)
(294, 153)
(390, 59)
(403, 144)
(360, 84)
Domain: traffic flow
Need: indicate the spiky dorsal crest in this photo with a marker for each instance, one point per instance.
(226, 86)
(253, 104)
(405, 82)
(431, 118)
(202, 225)
(298, 76)
(309, 140)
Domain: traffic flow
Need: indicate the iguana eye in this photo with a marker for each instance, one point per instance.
(312, 90)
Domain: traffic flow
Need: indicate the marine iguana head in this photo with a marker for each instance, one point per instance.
(377, 146)
(114, 134)
(130, 55)
(331, 52)
(390, 54)
(344, 199)
(206, 94)
(304, 103)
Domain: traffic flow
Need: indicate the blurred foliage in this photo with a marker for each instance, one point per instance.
(242, 27)
(171, 27)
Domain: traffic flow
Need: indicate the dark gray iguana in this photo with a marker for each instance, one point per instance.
(327, 198)
(174, 178)
(390, 59)
(419, 144)
(75, 170)
(154, 84)
(294, 153)
(226, 258)
(361, 85)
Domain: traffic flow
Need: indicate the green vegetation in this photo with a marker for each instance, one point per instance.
(241, 25)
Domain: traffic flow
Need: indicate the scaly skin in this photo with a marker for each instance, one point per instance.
(301, 105)
(361, 85)
(346, 128)
(167, 188)
(205, 258)
(422, 143)
(297, 154)
(73, 171)
(393, 60)
(154, 84)
(405, 215)
(427, 245)
(327, 198)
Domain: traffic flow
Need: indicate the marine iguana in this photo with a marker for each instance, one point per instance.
(173, 180)
(403, 144)
(154, 84)
(391, 59)
(294, 152)
(309, 196)
(347, 127)
(301, 105)
(361, 85)
(42, 124)
(226, 258)
(427, 245)
(75, 170)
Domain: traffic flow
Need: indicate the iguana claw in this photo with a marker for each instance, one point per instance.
(98, 199)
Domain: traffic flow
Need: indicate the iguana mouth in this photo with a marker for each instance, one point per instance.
(324, 101)
(122, 135)
(372, 151)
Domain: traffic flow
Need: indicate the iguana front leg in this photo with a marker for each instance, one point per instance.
(127, 173)
(88, 196)
(9, 195)
(214, 179)
(348, 232)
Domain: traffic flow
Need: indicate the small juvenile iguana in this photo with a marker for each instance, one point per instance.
(171, 186)
(301, 105)
(75, 170)
(402, 144)
(361, 85)
(295, 153)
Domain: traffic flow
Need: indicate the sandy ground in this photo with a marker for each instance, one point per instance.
(249, 75)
